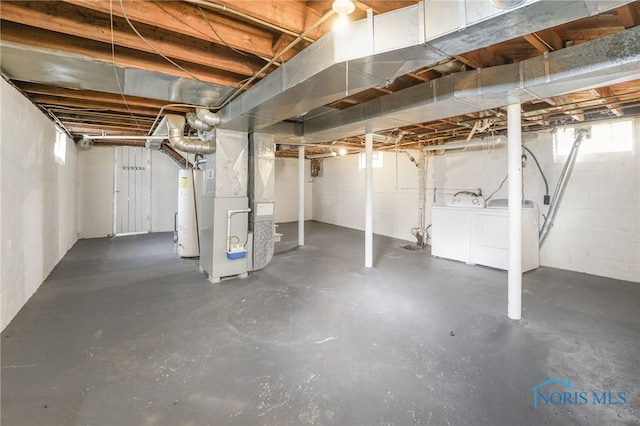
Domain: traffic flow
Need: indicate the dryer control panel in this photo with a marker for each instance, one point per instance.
(465, 199)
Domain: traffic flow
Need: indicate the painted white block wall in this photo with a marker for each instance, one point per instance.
(286, 190)
(37, 201)
(164, 192)
(338, 196)
(597, 229)
(95, 192)
(597, 226)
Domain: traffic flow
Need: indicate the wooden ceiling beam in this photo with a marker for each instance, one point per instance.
(187, 19)
(88, 95)
(102, 52)
(80, 104)
(86, 24)
(629, 15)
(104, 119)
(568, 105)
(545, 40)
(481, 58)
(294, 16)
(89, 128)
(608, 98)
(96, 115)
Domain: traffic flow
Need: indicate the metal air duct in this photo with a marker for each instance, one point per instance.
(608, 60)
(35, 64)
(374, 51)
(175, 126)
(196, 123)
(212, 119)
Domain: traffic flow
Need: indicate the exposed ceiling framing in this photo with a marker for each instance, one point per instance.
(228, 43)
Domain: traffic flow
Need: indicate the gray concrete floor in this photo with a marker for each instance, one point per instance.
(123, 332)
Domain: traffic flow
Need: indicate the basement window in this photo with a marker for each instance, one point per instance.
(376, 160)
(60, 147)
(610, 137)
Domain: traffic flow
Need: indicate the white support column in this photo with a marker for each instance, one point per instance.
(300, 195)
(368, 200)
(514, 166)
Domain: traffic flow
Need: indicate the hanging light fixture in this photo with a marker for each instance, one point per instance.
(343, 8)
(507, 4)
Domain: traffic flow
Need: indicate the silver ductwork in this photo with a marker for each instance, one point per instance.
(35, 64)
(608, 60)
(196, 123)
(211, 119)
(374, 51)
(175, 126)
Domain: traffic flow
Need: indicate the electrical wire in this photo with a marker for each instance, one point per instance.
(301, 37)
(218, 35)
(494, 192)
(546, 184)
(115, 70)
(172, 62)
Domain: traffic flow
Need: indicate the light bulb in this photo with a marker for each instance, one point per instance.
(342, 151)
(341, 22)
(343, 6)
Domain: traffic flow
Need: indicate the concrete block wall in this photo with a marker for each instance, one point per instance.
(95, 192)
(286, 190)
(338, 196)
(597, 229)
(164, 192)
(37, 200)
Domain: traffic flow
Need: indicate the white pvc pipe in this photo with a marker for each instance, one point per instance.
(514, 166)
(301, 195)
(368, 201)
(230, 214)
(123, 137)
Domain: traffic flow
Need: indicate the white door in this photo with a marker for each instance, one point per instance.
(132, 190)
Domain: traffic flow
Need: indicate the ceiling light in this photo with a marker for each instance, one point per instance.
(342, 151)
(507, 4)
(341, 21)
(343, 6)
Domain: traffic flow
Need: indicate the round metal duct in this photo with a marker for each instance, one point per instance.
(507, 4)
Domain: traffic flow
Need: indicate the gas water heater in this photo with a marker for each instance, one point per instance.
(189, 192)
